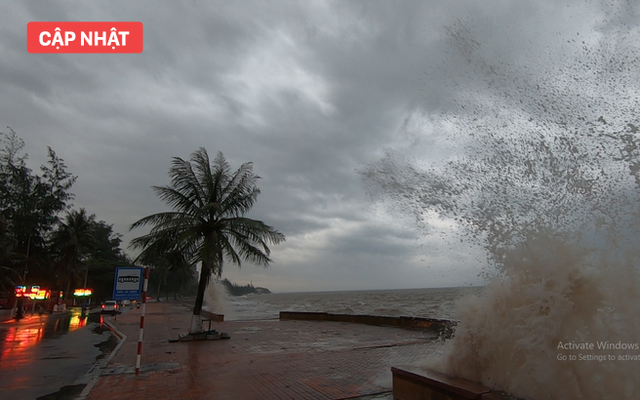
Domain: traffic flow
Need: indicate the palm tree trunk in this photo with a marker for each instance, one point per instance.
(196, 321)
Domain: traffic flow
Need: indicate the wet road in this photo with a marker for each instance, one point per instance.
(40, 354)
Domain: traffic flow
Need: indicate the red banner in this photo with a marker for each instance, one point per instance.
(84, 37)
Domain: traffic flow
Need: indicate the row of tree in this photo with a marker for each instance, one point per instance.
(206, 226)
(43, 240)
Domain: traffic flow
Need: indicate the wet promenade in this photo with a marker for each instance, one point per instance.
(264, 359)
(43, 354)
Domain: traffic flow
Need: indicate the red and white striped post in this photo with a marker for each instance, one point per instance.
(144, 307)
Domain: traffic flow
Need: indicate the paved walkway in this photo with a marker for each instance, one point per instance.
(265, 359)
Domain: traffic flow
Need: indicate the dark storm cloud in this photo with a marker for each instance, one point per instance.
(308, 91)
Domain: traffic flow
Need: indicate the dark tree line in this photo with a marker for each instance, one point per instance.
(43, 240)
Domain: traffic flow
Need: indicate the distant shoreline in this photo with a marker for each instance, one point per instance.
(238, 290)
(381, 290)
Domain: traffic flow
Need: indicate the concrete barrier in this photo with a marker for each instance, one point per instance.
(414, 383)
(444, 327)
(212, 316)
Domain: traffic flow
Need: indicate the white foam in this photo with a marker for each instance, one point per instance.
(550, 293)
(216, 299)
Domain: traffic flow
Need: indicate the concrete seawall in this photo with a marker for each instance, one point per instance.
(415, 383)
(444, 328)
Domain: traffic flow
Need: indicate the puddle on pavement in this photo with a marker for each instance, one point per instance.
(65, 393)
(71, 392)
(107, 346)
(249, 329)
(44, 337)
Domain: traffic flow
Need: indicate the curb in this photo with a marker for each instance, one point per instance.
(94, 373)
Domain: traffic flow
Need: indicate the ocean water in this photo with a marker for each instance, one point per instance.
(426, 303)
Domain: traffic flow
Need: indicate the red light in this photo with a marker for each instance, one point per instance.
(103, 306)
(21, 291)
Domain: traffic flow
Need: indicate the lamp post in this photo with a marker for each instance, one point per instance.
(19, 305)
(86, 274)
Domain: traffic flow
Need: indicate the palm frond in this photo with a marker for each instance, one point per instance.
(185, 181)
(241, 193)
(158, 219)
(177, 200)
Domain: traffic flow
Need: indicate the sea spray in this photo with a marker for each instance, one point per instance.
(551, 291)
(546, 178)
(215, 298)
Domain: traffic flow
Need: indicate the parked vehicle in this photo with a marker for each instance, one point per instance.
(109, 307)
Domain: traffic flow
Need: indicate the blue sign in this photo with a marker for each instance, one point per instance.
(127, 284)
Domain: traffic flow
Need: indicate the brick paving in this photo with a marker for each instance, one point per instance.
(264, 359)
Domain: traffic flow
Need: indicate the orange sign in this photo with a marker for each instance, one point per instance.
(34, 292)
(83, 292)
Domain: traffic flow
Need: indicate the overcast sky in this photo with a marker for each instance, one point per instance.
(310, 91)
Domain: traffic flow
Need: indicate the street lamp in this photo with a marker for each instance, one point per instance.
(86, 273)
(19, 306)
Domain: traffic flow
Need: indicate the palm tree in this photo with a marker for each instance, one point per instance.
(208, 223)
(181, 274)
(72, 239)
(165, 261)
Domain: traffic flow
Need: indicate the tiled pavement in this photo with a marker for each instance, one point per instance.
(266, 359)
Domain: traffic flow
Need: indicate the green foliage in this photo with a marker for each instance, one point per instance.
(84, 247)
(106, 246)
(8, 258)
(33, 239)
(72, 241)
(170, 269)
(30, 202)
(29, 205)
(103, 259)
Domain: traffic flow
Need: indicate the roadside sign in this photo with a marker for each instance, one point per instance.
(83, 292)
(127, 284)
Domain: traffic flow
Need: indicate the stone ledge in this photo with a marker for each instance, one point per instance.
(212, 316)
(444, 327)
(414, 383)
